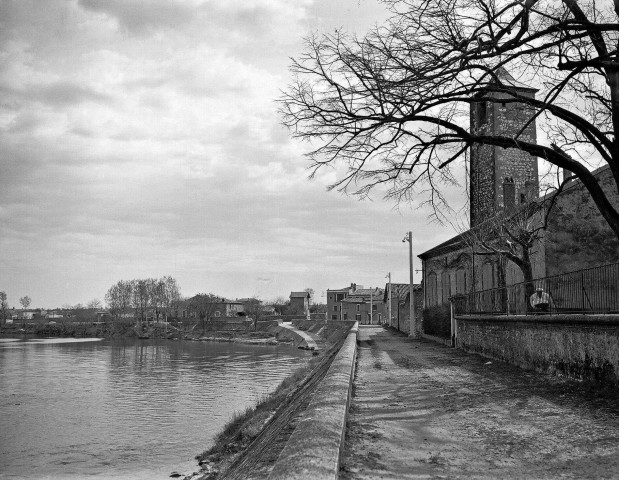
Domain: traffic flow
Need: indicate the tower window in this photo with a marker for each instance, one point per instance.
(523, 198)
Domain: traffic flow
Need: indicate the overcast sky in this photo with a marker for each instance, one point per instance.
(140, 139)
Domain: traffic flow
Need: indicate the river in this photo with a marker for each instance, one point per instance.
(134, 409)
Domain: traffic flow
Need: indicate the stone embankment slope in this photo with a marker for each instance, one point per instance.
(423, 410)
(314, 449)
(310, 343)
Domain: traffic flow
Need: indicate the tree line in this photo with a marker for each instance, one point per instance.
(143, 295)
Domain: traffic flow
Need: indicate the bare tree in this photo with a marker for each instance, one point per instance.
(119, 296)
(205, 305)
(95, 303)
(393, 106)
(255, 310)
(25, 302)
(281, 305)
(4, 306)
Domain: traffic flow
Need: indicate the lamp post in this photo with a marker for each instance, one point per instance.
(389, 299)
(413, 327)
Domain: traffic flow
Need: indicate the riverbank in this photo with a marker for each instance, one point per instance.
(267, 333)
(258, 435)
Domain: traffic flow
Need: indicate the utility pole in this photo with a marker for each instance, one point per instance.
(413, 327)
(371, 308)
(389, 298)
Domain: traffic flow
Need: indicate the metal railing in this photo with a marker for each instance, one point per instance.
(592, 290)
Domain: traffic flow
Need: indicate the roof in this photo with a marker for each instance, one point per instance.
(300, 295)
(508, 81)
(216, 299)
(456, 243)
(360, 292)
(399, 290)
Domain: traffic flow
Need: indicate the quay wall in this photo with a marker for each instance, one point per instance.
(584, 347)
(315, 447)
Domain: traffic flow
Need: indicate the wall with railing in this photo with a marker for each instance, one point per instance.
(575, 334)
(592, 290)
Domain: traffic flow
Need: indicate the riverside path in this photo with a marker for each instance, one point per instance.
(424, 410)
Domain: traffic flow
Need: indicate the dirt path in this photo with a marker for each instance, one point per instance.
(422, 410)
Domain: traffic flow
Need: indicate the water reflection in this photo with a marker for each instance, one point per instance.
(124, 409)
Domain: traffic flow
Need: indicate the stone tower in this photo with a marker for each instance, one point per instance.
(502, 178)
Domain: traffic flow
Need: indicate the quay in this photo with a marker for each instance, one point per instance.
(419, 409)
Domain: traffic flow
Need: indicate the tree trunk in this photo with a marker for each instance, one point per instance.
(527, 273)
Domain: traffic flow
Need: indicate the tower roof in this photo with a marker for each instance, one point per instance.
(507, 80)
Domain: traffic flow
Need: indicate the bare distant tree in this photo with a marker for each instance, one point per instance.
(205, 305)
(25, 302)
(4, 306)
(281, 305)
(95, 303)
(255, 310)
(119, 297)
(392, 107)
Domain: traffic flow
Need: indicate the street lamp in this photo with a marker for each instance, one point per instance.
(413, 330)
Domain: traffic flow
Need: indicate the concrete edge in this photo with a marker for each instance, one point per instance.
(314, 448)
(562, 319)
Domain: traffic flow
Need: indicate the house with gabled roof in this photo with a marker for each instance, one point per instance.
(300, 301)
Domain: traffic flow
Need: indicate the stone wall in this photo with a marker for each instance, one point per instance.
(581, 347)
(578, 236)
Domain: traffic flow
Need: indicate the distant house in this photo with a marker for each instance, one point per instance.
(299, 301)
(214, 306)
(364, 305)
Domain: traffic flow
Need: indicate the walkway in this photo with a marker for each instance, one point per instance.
(423, 410)
(311, 343)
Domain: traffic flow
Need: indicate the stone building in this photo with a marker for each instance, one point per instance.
(501, 178)
(364, 305)
(504, 185)
(300, 302)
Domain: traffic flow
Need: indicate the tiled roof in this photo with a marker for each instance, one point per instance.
(299, 294)
(367, 292)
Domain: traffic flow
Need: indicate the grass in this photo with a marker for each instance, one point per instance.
(244, 426)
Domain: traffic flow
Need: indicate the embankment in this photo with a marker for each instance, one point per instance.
(307, 411)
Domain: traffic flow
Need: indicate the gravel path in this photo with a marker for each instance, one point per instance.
(423, 410)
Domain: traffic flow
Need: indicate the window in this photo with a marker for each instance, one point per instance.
(432, 297)
(345, 316)
(217, 313)
(339, 297)
(487, 276)
(333, 317)
(358, 317)
(335, 308)
(358, 307)
(374, 307)
(445, 287)
(460, 280)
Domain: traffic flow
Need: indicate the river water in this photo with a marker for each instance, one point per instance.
(134, 409)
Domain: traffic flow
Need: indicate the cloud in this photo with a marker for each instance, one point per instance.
(138, 17)
(141, 138)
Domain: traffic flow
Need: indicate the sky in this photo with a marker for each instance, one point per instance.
(141, 139)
